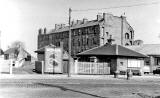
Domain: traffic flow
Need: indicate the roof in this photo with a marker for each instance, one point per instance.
(112, 50)
(80, 25)
(1, 51)
(13, 50)
(41, 50)
(10, 50)
(147, 49)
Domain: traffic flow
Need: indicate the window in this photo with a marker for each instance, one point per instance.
(126, 36)
(121, 63)
(126, 44)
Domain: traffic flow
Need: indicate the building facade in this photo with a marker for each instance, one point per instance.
(89, 34)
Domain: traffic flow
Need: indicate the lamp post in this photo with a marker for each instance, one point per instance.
(69, 43)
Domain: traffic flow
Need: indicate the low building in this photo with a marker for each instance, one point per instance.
(55, 60)
(153, 52)
(116, 56)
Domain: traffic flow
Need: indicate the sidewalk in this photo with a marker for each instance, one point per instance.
(62, 76)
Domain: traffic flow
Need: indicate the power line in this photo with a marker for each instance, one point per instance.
(114, 7)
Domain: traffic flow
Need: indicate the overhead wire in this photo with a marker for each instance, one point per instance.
(123, 6)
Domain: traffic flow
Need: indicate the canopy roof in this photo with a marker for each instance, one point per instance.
(112, 50)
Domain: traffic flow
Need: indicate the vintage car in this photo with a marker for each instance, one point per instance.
(157, 71)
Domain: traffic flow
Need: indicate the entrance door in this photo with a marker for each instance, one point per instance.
(65, 65)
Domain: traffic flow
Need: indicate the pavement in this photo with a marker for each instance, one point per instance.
(65, 76)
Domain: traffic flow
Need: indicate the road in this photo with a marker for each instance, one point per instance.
(79, 88)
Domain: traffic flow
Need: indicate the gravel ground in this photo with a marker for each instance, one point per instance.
(78, 88)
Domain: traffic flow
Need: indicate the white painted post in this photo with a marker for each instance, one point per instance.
(42, 67)
(76, 66)
(11, 64)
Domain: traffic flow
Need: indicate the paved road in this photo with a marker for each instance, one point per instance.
(104, 87)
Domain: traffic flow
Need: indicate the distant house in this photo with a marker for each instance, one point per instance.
(118, 58)
(153, 52)
(1, 52)
(19, 55)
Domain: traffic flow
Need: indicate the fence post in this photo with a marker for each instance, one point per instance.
(10, 68)
(42, 67)
(76, 66)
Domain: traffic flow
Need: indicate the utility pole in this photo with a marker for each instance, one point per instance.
(69, 43)
(121, 30)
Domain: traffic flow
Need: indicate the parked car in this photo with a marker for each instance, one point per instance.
(157, 71)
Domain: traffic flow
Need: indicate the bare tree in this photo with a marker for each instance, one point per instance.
(17, 44)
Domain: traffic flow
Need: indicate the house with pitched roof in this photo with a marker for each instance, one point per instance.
(18, 55)
(117, 57)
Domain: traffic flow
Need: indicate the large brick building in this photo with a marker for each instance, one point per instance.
(88, 34)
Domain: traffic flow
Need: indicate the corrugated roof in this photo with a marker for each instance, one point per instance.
(148, 49)
(112, 50)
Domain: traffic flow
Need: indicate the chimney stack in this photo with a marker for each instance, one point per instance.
(57, 26)
(85, 20)
(99, 17)
(40, 31)
(62, 25)
(45, 30)
(79, 21)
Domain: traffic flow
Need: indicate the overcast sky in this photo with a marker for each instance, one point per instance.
(21, 19)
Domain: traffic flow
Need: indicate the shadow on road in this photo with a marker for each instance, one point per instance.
(65, 89)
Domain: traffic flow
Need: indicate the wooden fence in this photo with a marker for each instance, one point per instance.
(92, 68)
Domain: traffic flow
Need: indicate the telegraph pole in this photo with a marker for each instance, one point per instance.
(121, 30)
(69, 43)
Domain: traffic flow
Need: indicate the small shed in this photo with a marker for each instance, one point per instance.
(55, 60)
(118, 58)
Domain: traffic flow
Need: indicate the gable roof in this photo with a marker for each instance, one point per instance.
(10, 50)
(13, 50)
(112, 50)
(1, 51)
(147, 49)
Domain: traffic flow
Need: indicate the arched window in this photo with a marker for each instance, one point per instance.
(126, 36)
(126, 44)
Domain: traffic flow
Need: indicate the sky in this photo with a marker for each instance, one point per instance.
(21, 19)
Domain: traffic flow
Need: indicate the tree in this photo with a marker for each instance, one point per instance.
(17, 44)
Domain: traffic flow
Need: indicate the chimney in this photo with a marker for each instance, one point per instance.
(40, 31)
(45, 30)
(62, 25)
(73, 23)
(104, 16)
(99, 17)
(110, 40)
(79, 21)
(57, 26)
(84, 20)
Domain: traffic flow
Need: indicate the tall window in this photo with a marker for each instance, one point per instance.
(126, 36)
